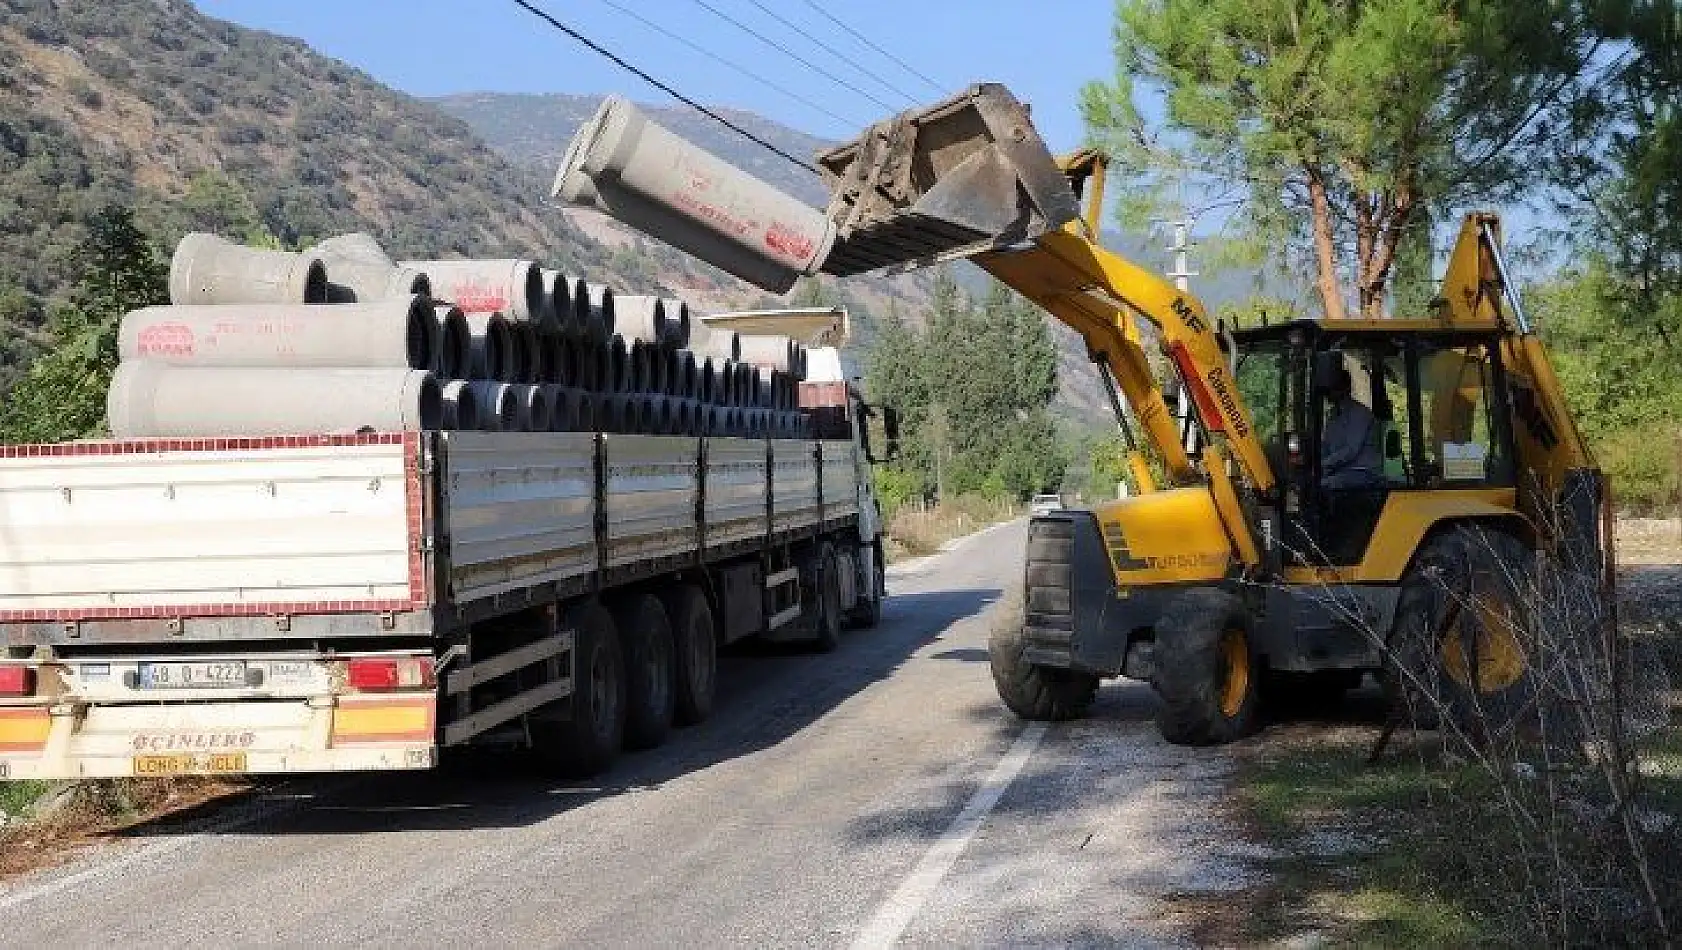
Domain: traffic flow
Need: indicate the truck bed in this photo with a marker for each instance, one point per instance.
(380, 534)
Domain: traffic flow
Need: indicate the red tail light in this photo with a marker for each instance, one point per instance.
(17, 681)
(373, 674)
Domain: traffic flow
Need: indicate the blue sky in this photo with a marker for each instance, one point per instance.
(1043, 51)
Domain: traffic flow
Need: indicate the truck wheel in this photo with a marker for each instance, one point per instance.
(647, 634)
(585, 740)
(1033, 691)
(825, 591)
(1460, 649)
(868, 612)
(696, 653)
(1205, 672)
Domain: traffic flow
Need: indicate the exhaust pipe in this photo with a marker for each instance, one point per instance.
(493, 344)
(512, 287)
(149, 399)
(461, 406)
(401, 332)
(622, 164)
(206, 269)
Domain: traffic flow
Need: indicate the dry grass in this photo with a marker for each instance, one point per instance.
(81, 813)
(914, 532)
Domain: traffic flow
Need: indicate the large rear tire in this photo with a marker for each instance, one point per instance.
(696, 650)
(867, 612)
(824, 589)
(1033, 691)
(584, 740)
(1461, 652)
(647, 635)
(1205, 670)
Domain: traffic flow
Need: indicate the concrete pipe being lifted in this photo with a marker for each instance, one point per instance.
(461, 406)
(557, 296)
(492, 346)
(642, 174)
(401, 332)
(639, 318)
(513, 288)
(206, 269)
(454, 354)
(149, 399)
(499, 407)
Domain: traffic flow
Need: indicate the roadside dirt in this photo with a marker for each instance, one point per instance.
(86, 815)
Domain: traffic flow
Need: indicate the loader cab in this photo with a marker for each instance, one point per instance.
(1427, 405)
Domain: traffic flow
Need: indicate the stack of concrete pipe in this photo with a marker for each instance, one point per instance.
(341, 338)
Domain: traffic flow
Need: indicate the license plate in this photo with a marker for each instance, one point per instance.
(216, 675)
(188, 763)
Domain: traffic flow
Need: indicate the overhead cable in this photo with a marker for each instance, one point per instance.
(819, 41)
(937, 87)
(768, 41)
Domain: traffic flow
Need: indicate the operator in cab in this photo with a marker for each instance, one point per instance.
(1350, 456)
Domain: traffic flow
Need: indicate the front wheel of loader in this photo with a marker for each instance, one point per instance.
(1460, 653)
(1031, 690)
(1206, 675)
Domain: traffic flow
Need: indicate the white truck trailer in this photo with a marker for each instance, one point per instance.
(330, 603)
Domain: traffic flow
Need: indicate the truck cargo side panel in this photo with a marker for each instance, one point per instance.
(794, 484)
(840, 479)
(735, 490)
(652, 483)
(519, 510)
(210, 527)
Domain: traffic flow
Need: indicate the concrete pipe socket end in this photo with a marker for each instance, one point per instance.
(509, 286)
(534, 407)
(455, 342)
(657, 182)
(639, 318)
(601, 322)
(499, 409)
(461, 406)
(618, 378)
(491, 343)
(205, 269)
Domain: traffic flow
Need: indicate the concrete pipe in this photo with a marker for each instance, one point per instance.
(557, 299)
(401, 332)
(631, 415)
(461, 405)
(679, 323)
(208, 270)
(770, 350)
(660, 184)
(561, 360)
(718, 343)
(639, 318)
(601, 321)
(706, 378)
(642, 368)
(584, 410)
(714, 420)
(492, 346)
(687, 374)
(359, 271)
(513, 288)
(610, 412)
(533, 407)
(618, 379)
(499, 406)
(747, 386)
(765, 388)
(454, 355)
(562, 406)
(524, 354)
(148, 399)
(355, 246)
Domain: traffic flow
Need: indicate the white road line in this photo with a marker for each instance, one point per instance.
(901, 907)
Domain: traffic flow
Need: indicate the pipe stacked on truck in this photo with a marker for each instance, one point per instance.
(342, 338)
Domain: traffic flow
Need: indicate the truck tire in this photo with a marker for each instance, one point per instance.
(867, 612)
(1205, 672)
(646, 633)
(1465, 588)
(584, 740)
(695, 675)
(1032, 691)
(824, 589)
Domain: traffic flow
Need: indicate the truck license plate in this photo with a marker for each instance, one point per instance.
(218, 675)
(187, 763)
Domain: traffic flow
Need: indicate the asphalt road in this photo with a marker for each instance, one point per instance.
(873, 796)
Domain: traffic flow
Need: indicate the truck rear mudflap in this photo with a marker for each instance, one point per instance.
(105, 718)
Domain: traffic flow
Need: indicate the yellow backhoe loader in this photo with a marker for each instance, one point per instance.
(1250, 563)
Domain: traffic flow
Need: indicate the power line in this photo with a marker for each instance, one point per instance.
(663, 87)
(775, 87)
(832, 50)
(738, 24)
(937, 87)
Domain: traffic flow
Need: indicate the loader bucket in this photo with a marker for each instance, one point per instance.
(965, 175)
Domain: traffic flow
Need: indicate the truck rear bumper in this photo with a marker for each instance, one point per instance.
(74, 741)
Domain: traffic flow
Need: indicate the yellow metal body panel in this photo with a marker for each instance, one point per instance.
(1402, 525)
(1171, 536)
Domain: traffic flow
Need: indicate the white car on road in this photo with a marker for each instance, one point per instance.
(1045, 504)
